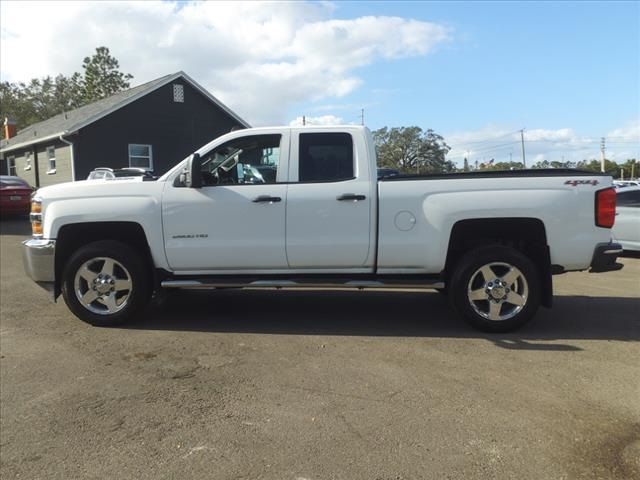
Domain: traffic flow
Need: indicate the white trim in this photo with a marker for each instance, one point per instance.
(195, 85)
(73, 166)
(12, 160)
(27, 161)
(129, 100)
(150, 168)
(178, 93)
(167, 81)
(10, 148)
(51, 169)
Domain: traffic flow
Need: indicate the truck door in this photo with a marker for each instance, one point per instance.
(236, 221)
(328, 203)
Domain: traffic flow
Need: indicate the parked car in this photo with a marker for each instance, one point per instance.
(627, 227)
(15, 196)
(119, 173)
(324, 221)
(626, 183)
(387, 172)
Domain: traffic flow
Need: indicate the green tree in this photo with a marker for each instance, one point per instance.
(502, 166)
(102, 76)
(553, 164)
(412, 150)
(630, 167)
(610, 167)
(39, 99)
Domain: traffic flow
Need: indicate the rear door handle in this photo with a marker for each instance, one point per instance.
(266, 199)
(345, 197)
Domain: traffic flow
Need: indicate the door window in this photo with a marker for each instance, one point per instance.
(325, 157)
(247, 160)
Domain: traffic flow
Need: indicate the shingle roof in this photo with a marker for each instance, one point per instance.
(73, 120)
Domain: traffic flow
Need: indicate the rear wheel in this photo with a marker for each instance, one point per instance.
(495, 288)
(105, 283)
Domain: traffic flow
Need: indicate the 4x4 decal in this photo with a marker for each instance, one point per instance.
(574, 183)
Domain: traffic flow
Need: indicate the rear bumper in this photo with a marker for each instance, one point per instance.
(15, 208)
(604, 258)
(38, 257)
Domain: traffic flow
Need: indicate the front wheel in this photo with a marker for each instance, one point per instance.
(495, 288)
(105, 283)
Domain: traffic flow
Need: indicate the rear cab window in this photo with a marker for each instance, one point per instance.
(325, 157)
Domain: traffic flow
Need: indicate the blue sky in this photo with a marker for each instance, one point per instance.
(510, 65)
(475, 72)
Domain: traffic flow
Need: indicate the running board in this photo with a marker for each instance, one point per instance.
(205, 284)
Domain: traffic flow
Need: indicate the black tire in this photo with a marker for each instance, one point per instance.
(127, 269)
(495, 314)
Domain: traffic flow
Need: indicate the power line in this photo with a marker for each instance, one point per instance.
(488, 147)
(489, 139)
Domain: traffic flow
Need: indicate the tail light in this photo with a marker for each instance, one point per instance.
(605, 207)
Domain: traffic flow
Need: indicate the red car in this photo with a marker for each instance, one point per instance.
(15, 196)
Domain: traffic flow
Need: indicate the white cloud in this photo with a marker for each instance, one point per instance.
(260, 58)
(562, 144)
(630, 132)
(321, 120)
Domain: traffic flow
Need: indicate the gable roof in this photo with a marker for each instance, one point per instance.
(73, 120)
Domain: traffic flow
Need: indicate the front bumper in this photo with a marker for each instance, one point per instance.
(38, 257)
(604, 258)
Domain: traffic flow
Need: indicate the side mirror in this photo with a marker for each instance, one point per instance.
(193, 172)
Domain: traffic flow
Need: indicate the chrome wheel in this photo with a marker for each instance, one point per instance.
(497, 291)
(103, 285)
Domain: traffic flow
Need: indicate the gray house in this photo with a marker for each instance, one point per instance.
(151, 126)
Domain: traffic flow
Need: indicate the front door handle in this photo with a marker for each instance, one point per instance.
(266, 199)
(345, 197)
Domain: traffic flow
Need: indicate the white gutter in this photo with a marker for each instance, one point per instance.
(31, 142)
(73, 163)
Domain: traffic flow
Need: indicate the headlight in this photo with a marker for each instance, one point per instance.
(36, 217)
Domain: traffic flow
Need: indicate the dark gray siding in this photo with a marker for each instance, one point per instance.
(173, 129)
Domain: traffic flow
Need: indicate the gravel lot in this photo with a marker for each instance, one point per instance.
(306, 385)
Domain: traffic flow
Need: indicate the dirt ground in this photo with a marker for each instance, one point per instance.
(329, 385)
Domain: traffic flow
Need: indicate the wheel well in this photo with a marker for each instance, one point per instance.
(72, 237)
(528, 235)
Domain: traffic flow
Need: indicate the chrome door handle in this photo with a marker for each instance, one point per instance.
(345, 197)
(266, 199)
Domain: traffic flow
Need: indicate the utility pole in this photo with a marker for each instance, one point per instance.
(602, 148)
(362, 116)
(524, 163)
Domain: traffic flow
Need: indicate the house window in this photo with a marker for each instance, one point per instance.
(140, 156)
(11, 166)
(51, 155)
(178, 93)
(27, 161)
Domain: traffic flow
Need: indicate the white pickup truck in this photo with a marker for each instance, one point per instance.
(303, 207)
